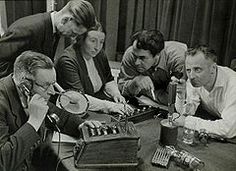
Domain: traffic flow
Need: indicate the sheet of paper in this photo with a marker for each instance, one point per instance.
(64, 138)
(147, 101)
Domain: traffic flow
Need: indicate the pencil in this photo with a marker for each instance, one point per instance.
(153, 95)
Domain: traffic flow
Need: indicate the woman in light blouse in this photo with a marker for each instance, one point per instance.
(84, 67)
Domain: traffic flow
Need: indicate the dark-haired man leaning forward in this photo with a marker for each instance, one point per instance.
(41, 32)
(147, 65)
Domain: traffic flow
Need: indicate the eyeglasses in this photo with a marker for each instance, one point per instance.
(45, 87)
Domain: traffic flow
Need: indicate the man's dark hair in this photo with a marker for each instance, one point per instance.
(206, 50)
(151, 40)
(82, 11)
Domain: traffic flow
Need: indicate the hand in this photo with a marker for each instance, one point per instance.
(181, 86)
(37, 110)
(178, 119)
(144, 83)
(188, 109)
(91, 123)
(123, 109)
(119, 98)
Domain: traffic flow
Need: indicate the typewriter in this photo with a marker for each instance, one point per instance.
(114, 145)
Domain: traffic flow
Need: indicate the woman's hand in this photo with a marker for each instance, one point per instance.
(123, 109)
(119, 99)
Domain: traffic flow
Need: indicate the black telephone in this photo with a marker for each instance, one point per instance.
(26, 91)
(26, 88)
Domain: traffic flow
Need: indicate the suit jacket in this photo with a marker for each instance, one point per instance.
(72, 72)
(33, 32)
(20, 144)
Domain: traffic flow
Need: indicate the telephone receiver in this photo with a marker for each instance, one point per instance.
(26, 91)
(26, 87)
(69, 100)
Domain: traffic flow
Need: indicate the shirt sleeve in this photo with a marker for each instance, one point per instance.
(127, 74)
(226, 126)
(96, 104)
(176, 51)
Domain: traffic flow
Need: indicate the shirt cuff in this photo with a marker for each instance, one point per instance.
(191, 122)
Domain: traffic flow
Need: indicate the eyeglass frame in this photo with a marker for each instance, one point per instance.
(43, 87)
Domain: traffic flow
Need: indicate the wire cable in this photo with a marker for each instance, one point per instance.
(59, 161)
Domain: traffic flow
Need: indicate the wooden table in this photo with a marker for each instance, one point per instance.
(216, 156)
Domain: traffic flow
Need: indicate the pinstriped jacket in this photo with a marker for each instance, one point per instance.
(33, 32)
(19, 142)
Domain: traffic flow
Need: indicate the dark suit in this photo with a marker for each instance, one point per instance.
(19, 142)
(33, 32)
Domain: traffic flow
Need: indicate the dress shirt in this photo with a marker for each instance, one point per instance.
(220, 101)
(52, 14)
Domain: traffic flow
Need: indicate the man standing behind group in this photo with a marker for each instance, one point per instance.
(148, 65)
(40, 32)
(213, 88)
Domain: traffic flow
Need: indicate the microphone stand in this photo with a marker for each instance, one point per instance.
(169, 132)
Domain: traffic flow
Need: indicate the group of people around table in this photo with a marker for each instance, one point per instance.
(29, 74)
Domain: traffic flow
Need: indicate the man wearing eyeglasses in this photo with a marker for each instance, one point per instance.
(24, 105)
(41, 32)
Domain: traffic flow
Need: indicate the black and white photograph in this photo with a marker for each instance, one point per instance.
(117, 85)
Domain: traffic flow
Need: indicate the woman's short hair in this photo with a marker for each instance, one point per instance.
(206, 50)
(82, 11)
(98, 27)
(151, 40)
(28, 62)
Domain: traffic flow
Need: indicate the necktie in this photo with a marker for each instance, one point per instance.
(55, 43)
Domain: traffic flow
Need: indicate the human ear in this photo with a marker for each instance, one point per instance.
(213, 68)
(64, 20)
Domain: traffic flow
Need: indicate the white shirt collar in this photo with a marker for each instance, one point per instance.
(53, 21)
